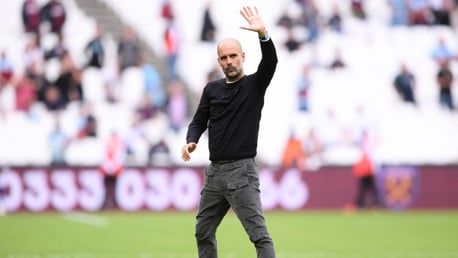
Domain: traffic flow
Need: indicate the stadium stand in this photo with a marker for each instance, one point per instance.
(360, 96)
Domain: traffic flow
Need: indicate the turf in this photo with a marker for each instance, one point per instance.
(323, 234)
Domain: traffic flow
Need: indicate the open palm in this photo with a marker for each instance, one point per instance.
(255, 22)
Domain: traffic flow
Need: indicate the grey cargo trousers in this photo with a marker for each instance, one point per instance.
(232, 184)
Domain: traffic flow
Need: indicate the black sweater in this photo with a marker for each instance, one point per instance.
(232, 112)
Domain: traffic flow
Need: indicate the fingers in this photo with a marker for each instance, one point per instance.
(247, 12)
(243, 12)
(185, 153)
(186, 150)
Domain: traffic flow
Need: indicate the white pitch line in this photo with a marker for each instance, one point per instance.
(88, 219)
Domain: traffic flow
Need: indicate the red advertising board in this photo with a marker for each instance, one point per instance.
(159, 189)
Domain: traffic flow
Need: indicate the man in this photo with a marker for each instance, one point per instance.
(404, 84)
(231, 110)
(54, 12)
(30, 13)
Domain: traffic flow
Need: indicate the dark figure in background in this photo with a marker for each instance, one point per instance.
(335, 22)
(445, 82)
(208, 27)
(111, 167)
(88, 127)
(128, 49)
(31, 17)
(357, 9)
(338, 61)
(69, 80)
(231, 110)
(285, 20)
(442, 12)
(363, 170)
(159, 154)
(57, 51)
(52, 98)
(404, 84)
(94, 50)
(54, 13)
(292, 43)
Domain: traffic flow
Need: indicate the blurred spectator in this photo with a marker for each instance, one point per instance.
(136, 142)
(172, 48)
(6, 68)
(292, 43)
(57, 51)
(31, 17)
(166, 10)
(441, 53)
(357, 9)
(337, 62)
(52, 98)
(293, 154)
(399, 12)
(57, 143)
(177, 105)
(445, 81)
(111, 167)
(286, 20)
(309, 18)
(33, 58)
(364, 170)
(335, 20)
(303, 86)
(54, 13)
(419, 12)
(313, 149)
(153, 86)
(159, 154)
(442, 11)
(26, 93)
(146, 109)
(208, 27)
(88, 128)
(94, 50)
(404, 84)
(69, 80)
(129, 50)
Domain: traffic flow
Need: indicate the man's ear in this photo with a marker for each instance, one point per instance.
(243, 56)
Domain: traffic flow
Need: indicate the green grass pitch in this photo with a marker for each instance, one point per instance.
(317, 234)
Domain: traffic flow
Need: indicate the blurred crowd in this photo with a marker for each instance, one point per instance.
(158, 104)
(305, 149)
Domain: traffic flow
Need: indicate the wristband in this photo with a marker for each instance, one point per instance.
(266, 37)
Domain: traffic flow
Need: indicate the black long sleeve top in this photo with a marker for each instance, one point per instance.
(232, 112)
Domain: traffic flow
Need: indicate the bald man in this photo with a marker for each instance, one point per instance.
(231, 110)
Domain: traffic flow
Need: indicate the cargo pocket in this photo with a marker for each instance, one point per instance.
(252, 174)
(208, 174)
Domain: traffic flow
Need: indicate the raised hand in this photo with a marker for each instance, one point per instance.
(255, 22)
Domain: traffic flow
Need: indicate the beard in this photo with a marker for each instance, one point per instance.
(232, 73)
